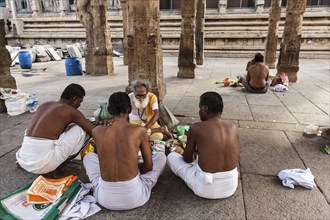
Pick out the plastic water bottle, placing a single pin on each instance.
(32, 103)
(35, 101)
(29, 104)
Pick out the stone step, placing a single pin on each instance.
(229, 53)
(208, 47)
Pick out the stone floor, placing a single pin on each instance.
(271, 138)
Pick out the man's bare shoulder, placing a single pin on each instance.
(136, 128)
(210, 123)
(100, 129)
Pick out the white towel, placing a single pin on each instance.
(82, 206)
(300, 177)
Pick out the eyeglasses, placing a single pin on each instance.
(140, 95)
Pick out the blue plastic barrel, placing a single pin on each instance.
(25, 60)
(73, 66)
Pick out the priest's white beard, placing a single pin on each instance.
(140, 104)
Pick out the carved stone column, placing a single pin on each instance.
(93, 15)
(115, 5)
(186, 60)
(260, 5)
(290, 47)
(35, 6)
(272, 36)
(200, 20)
(144, 45)
(123, 4)
(222, 6)
(63, 7)
(7, 3)
(13, 9)
(6, 79)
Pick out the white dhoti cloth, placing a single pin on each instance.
(41, 155)
(123, 195)
(206, 185)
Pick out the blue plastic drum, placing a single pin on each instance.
(25, 60)
(73, 66)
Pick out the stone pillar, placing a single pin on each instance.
(93, 15)
(144, 45)
(6, 79)
(13, 8)
(115, 4)
(288, 61)
(200, 20)
(260, 6)
(123, 4)
(5, 14)
(35, 6)
(222, 6)
(186, 60)
(7, 3)
(63, 7)
(272, 36)
(17, 23)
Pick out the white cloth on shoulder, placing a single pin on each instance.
(300, 177)
(123, 195)
(41, 155)
(206, 185)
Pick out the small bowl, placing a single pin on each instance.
(226, 83)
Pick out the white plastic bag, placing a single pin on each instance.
(16, 105)
(280, 88)
(15, 100)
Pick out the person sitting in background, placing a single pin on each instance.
(119, 181)
(256, 79)
(145, 110)
(55, 134)
(213, 174)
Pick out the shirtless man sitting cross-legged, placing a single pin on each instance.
(119, 182)
(213, 174)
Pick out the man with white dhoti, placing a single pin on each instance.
(119, 181)
(213, 173)
(55, 134)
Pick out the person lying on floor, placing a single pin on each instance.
(213, 174)
(55, 134)
(119, 181)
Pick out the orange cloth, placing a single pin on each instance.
(152, 100)
(44, 190)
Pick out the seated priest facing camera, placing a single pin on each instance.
(145, 111)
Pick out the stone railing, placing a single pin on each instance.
(38, 7)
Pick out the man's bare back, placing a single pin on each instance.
(217, 143)
(118, 147)
(52, 118)
(258, 75)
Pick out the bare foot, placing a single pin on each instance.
(165, 131)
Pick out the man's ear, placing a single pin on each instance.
(129, 109)
(109, 110)
(72, 100)
(206, 109)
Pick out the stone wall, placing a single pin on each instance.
(231, 34)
